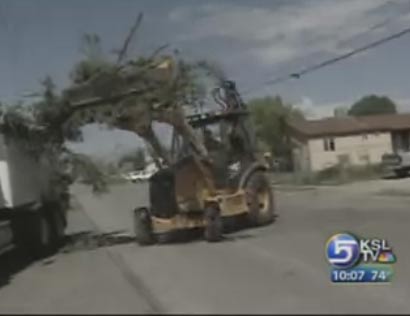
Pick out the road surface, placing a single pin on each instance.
(275, 269)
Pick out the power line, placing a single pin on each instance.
(297, 75)
(378, 25)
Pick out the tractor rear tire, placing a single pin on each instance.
(259, 197)
(39, 236)
(57, 219)
(401, 173)
(143, 227)
(213, 223)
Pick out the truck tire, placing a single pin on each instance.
(58, 223)
(213, 223)
(143, 227)
(42, 235)
(259, 198)
(32, 233)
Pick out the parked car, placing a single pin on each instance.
(397, 163)
(131, 176)
(141, 175)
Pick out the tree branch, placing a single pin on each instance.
(123, 52)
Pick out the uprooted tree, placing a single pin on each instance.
(126, 93)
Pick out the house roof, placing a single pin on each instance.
(336, 126)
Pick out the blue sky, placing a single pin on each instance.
(252, 41)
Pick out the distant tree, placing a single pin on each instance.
(136, 158)
(269, 116)
(373, 104)
(89, 172)
(139, 159)
(111, 168)
(341, 111)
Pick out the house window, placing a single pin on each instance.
(329, 144)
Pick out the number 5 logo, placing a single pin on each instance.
(342, 250)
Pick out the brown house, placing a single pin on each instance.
(319, 144)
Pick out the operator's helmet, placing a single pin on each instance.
(232, 97)
(229, 85)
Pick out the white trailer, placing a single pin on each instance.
(32, 210)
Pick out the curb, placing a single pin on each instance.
(293, 187)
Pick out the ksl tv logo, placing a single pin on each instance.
(346, 250)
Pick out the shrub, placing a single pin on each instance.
(338, 174)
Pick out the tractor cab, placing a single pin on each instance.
(227, 141)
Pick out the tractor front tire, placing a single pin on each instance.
(58, 228)
(143, 227)
(213, 223)
(38, 237)
(259, 198)
(56, 216)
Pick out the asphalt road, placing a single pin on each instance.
(280, 268)
(82, 278)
